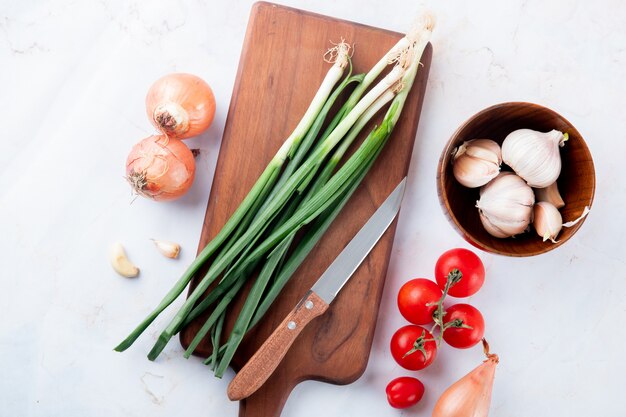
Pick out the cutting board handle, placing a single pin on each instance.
(268, 401)
(263, 363)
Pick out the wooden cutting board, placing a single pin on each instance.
(280, 69)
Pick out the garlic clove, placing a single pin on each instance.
(516, 223)
(508, 187)
(120, 262)
(491, 228)
(485, 149)
(476, 162)
(473, 173)
(534, 155)
(547, 221)
(169, 249)
(505, 205)
(550, 194)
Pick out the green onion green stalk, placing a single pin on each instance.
(303, 186)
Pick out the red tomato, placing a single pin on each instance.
(413, 347)
(470, 266)
(414, 298)
(404, 392)
(463, 315)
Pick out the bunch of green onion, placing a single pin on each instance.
(301, 186)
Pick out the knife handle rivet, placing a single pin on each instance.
(291, 325)
(308, 304)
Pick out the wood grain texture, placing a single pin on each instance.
(280, 70)
(576, 182)
(259, 368)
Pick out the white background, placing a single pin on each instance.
(74, 75)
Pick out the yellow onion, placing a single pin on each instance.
(180, 105)
(470, 396)
(160, 168)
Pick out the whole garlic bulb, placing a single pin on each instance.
(534, 156)
(476, 162)
(547, 220)
(506, 205)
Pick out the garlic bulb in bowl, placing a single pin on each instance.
(476, 162)
(576, 182)
(534, 155)
(506, 205)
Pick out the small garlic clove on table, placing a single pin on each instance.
(547, 221)
(476, 162)
(534, 155)
(120, 262)
(168, 249)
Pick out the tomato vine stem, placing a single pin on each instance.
(453, 278)
(418, 345)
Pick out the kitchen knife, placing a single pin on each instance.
(316, 301)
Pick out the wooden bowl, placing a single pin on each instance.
(576, 183)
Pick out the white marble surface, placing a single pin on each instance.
(74, 75)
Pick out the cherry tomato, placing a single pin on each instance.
(457, 335)
(471, 269)
(404, 392)
(413, 347)
(417, 299)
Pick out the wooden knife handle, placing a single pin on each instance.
(266, 359)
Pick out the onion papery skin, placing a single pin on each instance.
(470, 396)
(160, 168)
(180, 105)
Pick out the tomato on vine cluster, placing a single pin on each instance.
(458, 273)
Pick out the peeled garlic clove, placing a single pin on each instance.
(505, 205)
(120, 262)
(169, 249)
(534, 156)
(547, 220)
(476, 162)
(550, 194)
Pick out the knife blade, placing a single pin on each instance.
(316, 301)
(342, 268)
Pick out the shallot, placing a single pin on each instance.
(470, 396)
